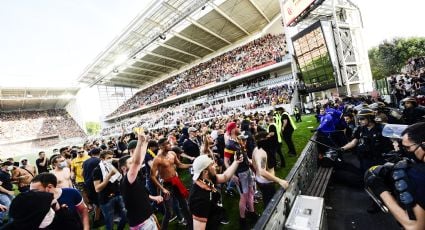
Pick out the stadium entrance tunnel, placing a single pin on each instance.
(344, 207)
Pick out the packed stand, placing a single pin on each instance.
(267, 49)
(259, 92)
(37, 124)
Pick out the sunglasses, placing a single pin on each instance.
(406, 148)
(80, 151)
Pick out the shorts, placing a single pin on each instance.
(149, 224)
(246, 181)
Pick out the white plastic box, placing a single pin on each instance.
(306, 213)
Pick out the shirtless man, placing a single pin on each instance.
(265, 176)
(62, 172)
(172, 188)
(26, 165)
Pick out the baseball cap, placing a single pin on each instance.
(199, 164)
(192, 129)
(132, 144)
(230, 126)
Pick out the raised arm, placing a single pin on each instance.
(230, 171)
(138, 157)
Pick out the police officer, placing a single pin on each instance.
(412, 113)
(407, 204)
(368, 141)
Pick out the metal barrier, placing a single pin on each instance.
(300, 177)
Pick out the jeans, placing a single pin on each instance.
(5, 200)
(175, 194)
(108, 211)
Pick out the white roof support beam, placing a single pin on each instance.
(150, 70)
(176, 49)
(222, 13)
(123, 83)
(259, 10)
(136, 74)
(153, 63)
(191, 41)
(195, 23)
(138, 80)
(164, 57)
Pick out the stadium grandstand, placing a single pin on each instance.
(220, 114)
(34, 119)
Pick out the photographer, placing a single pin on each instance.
(407, 201)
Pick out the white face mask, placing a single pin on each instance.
(9, 168)
(62, 164)
(48, 219)
(109, 161)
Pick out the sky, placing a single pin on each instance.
(51, 42)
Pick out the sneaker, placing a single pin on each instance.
(182, 221)
(172, 219)
(224, 220)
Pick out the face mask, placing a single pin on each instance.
(62, 165)
(48, 219)
(109, 161)
(9, 168)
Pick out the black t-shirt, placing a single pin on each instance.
(191, 148)
(88, 166)
(288, 126)
(40, 168)
(111, 189)
(203, 204)
(136, 200)
(6, 181)
(233, 147)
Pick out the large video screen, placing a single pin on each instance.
(313, 59)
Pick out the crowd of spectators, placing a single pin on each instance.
(38, 124)
(267, 49)
(242, 97)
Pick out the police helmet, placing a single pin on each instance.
(409, 99)
(377, 106)
(367, 113)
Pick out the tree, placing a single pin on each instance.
(390, 56)
(93, 128)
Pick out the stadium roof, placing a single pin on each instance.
(15, 99)
(173, 34)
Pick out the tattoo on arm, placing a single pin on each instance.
(263, 163)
